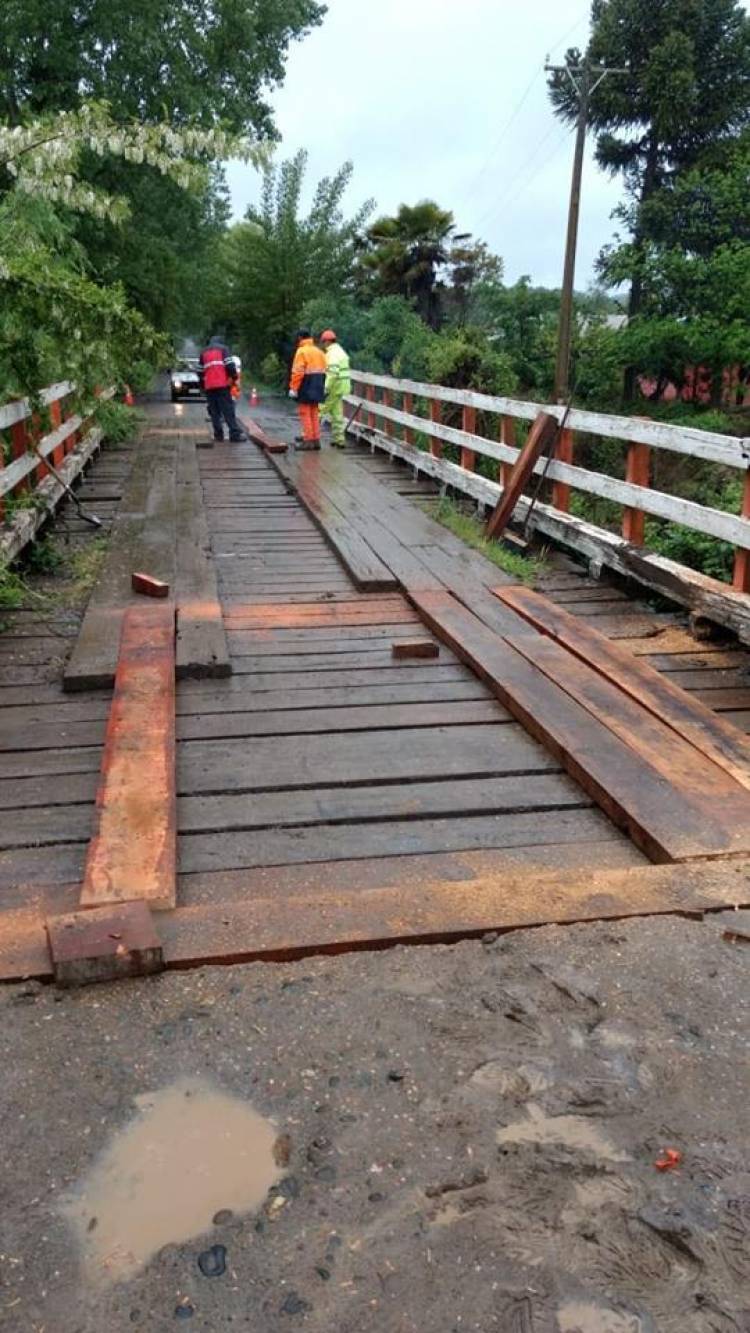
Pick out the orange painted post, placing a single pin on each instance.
(741, 578)
(436, 412)
(386, 401)
(564, 454)
(469, 424)
(55, 420)
(507, 436)
(408, 407)
(638, 472)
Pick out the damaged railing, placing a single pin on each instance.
(398, 415)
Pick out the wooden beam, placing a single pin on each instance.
(133, 852)
(704, 729)
(541, 438)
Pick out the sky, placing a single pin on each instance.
(446, 100)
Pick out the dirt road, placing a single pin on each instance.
(463, 1139)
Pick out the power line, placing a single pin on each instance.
(472, 184)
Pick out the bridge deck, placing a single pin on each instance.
(329, 793)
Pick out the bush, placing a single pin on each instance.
(118, 422)
(272, 371)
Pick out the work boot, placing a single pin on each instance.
(237, 439)
(218, 439)
(303, 446)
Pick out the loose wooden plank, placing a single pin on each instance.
(540, 439)
(317, 919)
(686, 716)
(668, 824)
(142, 537)
(202, 648)
(239, 615)
(133, 852)
(367, 758)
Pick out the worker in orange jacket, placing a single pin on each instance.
(308, 386)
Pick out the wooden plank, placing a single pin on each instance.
(25, 523)
(202, 648)
(318, 920)
(417, 800)
(365, 758)
(328, 721)
(364, 674)
(684, 714)
(133, 853)
(201, 853)
(239, 615)
(541, 438)
(47, 790)
(667, 823)
(142, 537)
(323, 697)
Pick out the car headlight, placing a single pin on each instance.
(178, 384)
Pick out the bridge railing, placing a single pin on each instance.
(29, 491)
(394, 413)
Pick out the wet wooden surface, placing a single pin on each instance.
(324, 760)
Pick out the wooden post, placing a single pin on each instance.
(564, 453)
(55, 420)
(386, 401)
(741, 579)
(507, 436)
(408, 407)
(370, 396)
(436, 412)
(469, 424)
(638, 472)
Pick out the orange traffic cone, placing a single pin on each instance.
(127, 397)
(254, 397)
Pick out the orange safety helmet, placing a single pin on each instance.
(328, 336)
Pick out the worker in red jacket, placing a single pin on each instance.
(219, 373)
(308, 386)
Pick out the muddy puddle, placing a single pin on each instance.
(190, 1152)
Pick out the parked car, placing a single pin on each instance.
(185, 380)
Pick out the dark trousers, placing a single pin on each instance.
(221, 409)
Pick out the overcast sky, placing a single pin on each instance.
(446, 99)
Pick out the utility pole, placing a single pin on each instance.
(585, 79)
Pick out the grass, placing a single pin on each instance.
(85, 566)
(524, 568)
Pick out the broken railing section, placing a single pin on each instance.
(399, 415)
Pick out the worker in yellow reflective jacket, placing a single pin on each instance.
(338, 384)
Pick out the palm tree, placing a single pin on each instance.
(405, 254)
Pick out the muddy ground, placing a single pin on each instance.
(472, 1132)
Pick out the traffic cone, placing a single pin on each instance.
(254, 397)
(127, 397)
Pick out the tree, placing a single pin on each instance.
(686, 91)
(276, 261)
(208, 64)
(56, 321)
(404, 256)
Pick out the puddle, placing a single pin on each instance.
(585, 1317)
(190, 1152)
(573, 1131)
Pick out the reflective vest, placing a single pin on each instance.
(309, 373)
(215, 361)
(338, 377)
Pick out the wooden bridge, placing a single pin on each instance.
(565, 753)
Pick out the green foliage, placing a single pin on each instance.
(404, 254)
(12, 590)
(694, 549)
(117, 421)
(471, 531)
(44, 557)
(276, 261)
(273, 371)
(210, 64)
(463, 358)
